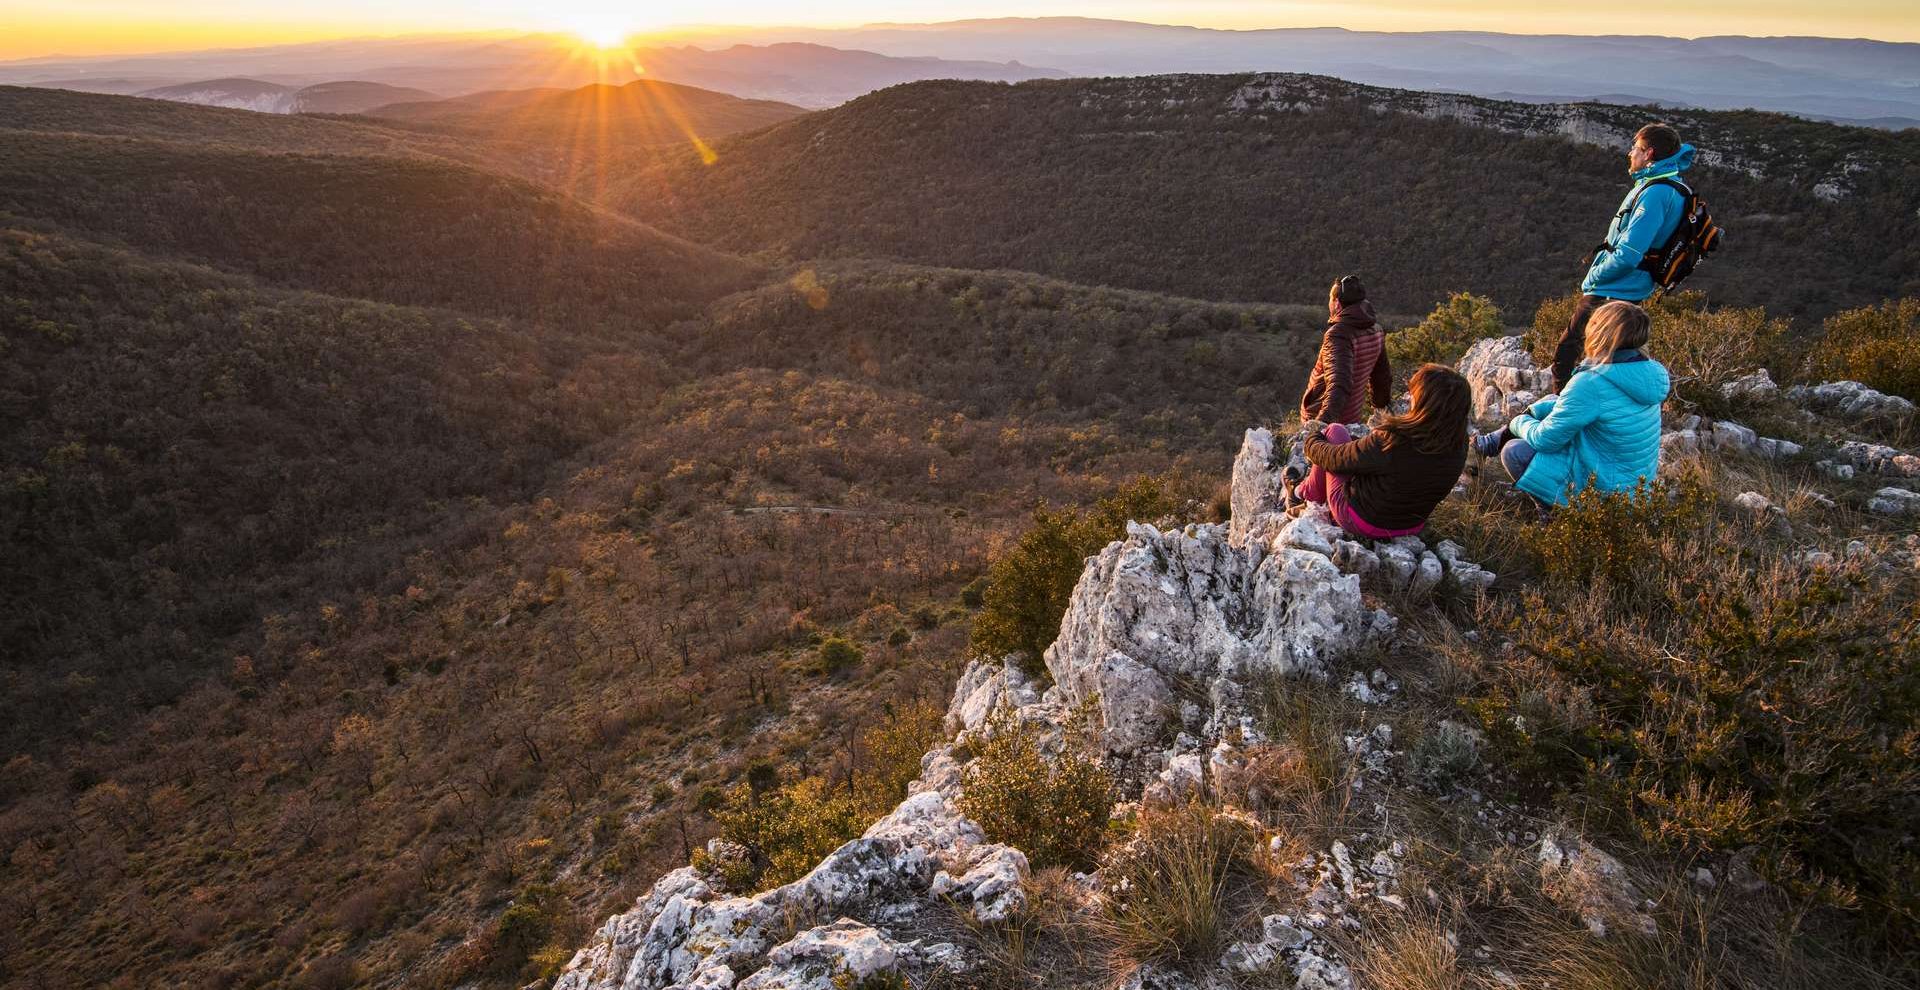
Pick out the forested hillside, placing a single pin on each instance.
(1206, 186)
(402, 560)
(346, 637)
(470, 240)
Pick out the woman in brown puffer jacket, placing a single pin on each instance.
(1353, 352)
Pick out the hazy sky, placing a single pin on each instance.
(80, 27)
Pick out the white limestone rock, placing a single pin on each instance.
(1894, 502)
(1583, 878)
(1732, 436)
(1850, 399)
(981, 689)
(1426, 576)
(1163, 608)
(1256, 490)
(1314, 530)
(1753, 502)
(1755, 386)
(829, 957)
(1279, 936)
(992, 888)
(1836, 471)
(1502, 376)
(1355, 558)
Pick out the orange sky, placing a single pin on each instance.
(30, 28)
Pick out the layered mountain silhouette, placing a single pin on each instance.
(349, 96)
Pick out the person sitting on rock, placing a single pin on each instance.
(1353, 352)
(1603, 430)
(1386, 483)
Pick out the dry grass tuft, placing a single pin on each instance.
(1176, 891)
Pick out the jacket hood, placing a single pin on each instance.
(1354, 316)
(1679, 161)
(1643, 380)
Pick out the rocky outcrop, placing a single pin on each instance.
(1167, 640)
(1503, 377)
(1851, 400)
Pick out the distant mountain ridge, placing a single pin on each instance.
(806, 74)
(345, 96)
(1854, 79)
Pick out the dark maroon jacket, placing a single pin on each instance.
(1353, 351)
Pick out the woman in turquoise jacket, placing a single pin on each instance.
(1604, 429)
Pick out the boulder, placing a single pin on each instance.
(830, 957)
(1158, 609)
(1503, 377)
(1755, 386)
(1584, 879)
(1851, 400)
(1894, 502)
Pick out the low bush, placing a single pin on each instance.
(1616, 536)
(1054, 809)
(1875, 345)
(837, 654)
(1446, 333)
(785, 832)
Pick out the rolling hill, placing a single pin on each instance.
(346, 96)
(474, 241)
(1264, 187)
(640, 113)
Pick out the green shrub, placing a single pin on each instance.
(1054, 810)
(1616, 535)
(1705, 348)
(525, 927)
(787, 832)
(836, 654)
(1875, 345)
(894, 748)
(1029, 586)
(1446, 333)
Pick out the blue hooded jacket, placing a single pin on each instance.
(1605, 428)
(1647, 217)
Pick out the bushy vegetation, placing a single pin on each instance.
(1054, 809)
(1703, 347)
(787, 829)
(1703, 694)
(1446, 333)
(1030, 585)
(1875, 345)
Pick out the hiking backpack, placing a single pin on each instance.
(1693, 238)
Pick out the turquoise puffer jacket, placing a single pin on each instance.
(1646, 218)
(1605, 428)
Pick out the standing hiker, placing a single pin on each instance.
(1648, 217)
(1353, 355)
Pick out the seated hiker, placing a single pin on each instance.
(1387, 482)
(1352, 356)
(1603, 430)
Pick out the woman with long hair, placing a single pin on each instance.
(1387, 482)
(1604, 429)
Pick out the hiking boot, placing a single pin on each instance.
(1489, 444)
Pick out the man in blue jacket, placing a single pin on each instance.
(1647, 217)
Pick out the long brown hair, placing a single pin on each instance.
(1616, 326)
(1438, 401)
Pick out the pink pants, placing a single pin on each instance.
(1330, 489)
